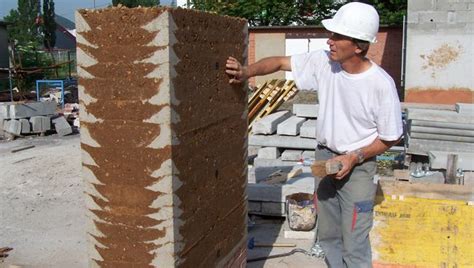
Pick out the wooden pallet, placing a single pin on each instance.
(268, 97)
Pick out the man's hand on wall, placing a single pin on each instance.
(238, 73)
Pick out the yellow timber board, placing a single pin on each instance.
(411, 229)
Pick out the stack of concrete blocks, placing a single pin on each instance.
(284, 138)
(437, 133)
(24, 118)
(163, 137)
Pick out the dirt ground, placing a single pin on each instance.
(42, 212)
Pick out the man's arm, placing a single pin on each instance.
(350, 160)
(264, 66)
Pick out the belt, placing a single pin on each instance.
(322, 147)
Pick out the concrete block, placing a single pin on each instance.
(274, 208)
(308, 129)
(277, 193)
(45, 123)
(306, 110)
(450, 6)
(14, 127)
(308, 154)
(465, 108)
(5, 110)
(421, 5)
(25, 126)
(290, 126)
(429, 17)
(283, 141)
(291, 155)
(62, 126)
(36, 124)
(255, 206)
(30, 109)
(268, 124)
(261, 162)
(268, 153)
(6, 125)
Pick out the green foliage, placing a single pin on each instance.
(25, 22)
(391, 12)
(272, 12)
(49, 24)
(295, 12)
(136, 3)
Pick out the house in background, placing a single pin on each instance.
(65, 34)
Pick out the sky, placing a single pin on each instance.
(65, 8)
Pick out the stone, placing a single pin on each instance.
(163, 137)
(25, 126)
(268, 124)
(5, 110)
(61, 126)
(308, 129)
(290, 126)
(307, 154)
(306, 110)
(268, 153)
(291, 155)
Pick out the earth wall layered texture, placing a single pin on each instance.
(163, 137)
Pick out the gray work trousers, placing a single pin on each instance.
(345, 214)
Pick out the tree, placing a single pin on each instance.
(25, 22)
(136, 3)
(295, 12)
(49, 24)
(391, 12)
(272, 12)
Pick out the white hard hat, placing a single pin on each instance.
(356, 20)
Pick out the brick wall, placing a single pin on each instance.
(163, 136)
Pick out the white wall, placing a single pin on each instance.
(298, 46)
(440, 44)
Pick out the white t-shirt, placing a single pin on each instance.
(354, 109)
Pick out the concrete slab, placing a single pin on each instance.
(291, 155)
(309, 235)
(308, 129)
(439, 159)
(268, 124)
(306, 110)
(29, 109)
(25, 126)
(268, 153)
(6, 125)
(62, 126)
(465, 108)
(440, 116)
(261, 162)
(422, 147)
(283, 141)
(290, 126)
(273, 208)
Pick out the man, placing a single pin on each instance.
(359, 117)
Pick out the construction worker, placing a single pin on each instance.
(359, 118)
